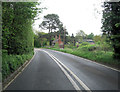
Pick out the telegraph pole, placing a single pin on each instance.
(64, 36)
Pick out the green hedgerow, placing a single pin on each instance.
(12, 62)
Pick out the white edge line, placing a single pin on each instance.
(92, 61)
(19, 73)
(68, 76)
(100, 64)
(80, 82)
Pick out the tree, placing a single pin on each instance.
(68, 39)
(73, 39)
(111, 25)
(51, 22)
(62, 32)
(80, 35)
(90, 36)
(97, 38)
(17, 33)
(40, 39)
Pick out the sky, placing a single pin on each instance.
(75, 15)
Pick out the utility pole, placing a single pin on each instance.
(64, 35)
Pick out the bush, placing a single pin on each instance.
(90, 47)
(106, 47)
(93, 47)
(70, 46)
(12, 62)
(92, 52)
(84, 48)
(84, 43)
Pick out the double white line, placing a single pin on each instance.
(65, 69)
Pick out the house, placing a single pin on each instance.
(58, 41)
(55, 41)
(87, 40)
(90, 41)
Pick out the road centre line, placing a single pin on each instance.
(93, 62)
(68, 76)
(79, 81)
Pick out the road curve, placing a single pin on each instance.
(43, 73)
(95, 76)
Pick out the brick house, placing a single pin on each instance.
(58, 41)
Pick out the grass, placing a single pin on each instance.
(96, 55)
(10, 63)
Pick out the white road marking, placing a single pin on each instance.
(102, 65)
(19, 73)
(92, 62)
(68, 76)
(79, 81)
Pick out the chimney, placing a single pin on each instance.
(56, 37)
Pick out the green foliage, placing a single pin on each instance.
(111, 26)
(56, 45)
(84, 43)
(12, 62)
(71, 46)
(102, 52)
(62, 32)
(97, 38)
(73, 41)
(106, 47)
(90, 36)
(95, 55)
(40, 39)
(88, 47)
(80, 35)
(117, 24)
(51, 22)
(17, 34)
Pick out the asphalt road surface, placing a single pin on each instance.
(53, 70)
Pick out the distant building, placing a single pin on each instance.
(90, 41)
(58, 41)
(55, 41)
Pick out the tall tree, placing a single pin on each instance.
(97, 38)
(40, 39)
(73, 39)
(111, 25)
(17, 34)
(50, 22)
(63, 33)
(90, 36)
(80, 35)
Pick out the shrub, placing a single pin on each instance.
(94, 54)
(93, 47)
(106, 47)
(84, 48)
(84, 43)
(12, 62)
(70, 46)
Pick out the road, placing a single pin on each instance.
(53, 70)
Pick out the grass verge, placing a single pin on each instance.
(97, 56)
(10, 63)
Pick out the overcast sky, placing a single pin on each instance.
(75, 14)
